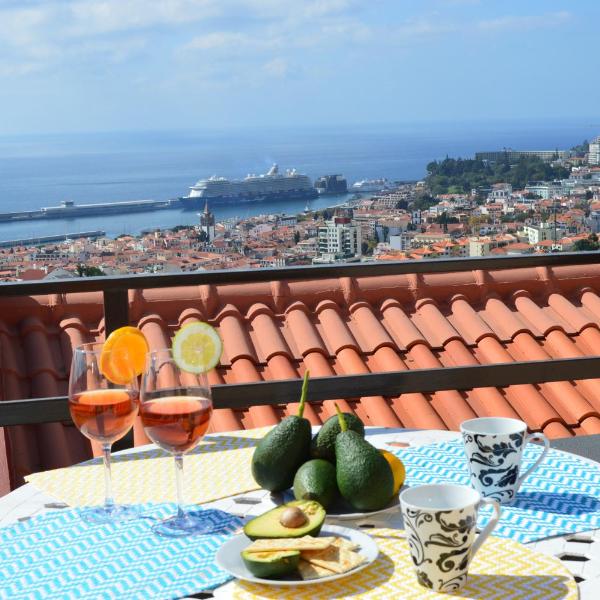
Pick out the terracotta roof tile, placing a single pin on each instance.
(333, 328)
(301, 331)
(276, 330)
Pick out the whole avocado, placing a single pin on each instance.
(323, 444)
(280, 453)
(315, 480)
(364, 477)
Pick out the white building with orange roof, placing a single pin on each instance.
(519, 248)
(480, 246)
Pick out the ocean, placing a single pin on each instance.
(37, 171)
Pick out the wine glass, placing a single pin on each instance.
(104, 412)
(176, 408)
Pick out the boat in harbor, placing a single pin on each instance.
(371, 185)
(271, 186)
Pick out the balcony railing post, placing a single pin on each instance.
(116, 309)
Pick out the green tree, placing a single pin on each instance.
(89, 271)
(463, 175)
(444, 219)
(368, 247)
(423, 202)
(296, 237)
(590, 243)
(581, 149)
(475, 223)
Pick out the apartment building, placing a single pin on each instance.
(594, 152)
(339, 239)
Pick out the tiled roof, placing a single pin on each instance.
(276, 330)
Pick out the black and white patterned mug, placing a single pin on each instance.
(494, 448)
(440, 522)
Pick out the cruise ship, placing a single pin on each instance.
(371, 185)
(254, 188)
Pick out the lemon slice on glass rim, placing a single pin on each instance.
(197, 348)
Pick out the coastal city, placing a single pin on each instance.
(505, 202)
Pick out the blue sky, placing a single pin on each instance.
(103, 65)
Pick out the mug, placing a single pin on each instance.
(494, 448)
(440, 522)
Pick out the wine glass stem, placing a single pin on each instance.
(179, 484)
(108, 496)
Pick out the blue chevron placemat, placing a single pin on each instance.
(561, 496)
(59, 555)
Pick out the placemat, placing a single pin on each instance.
(58, 554)
(218, 467)
(501, 569)
(561, 496)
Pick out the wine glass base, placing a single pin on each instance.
(110, 514)
(181, 526)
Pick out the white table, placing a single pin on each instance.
(580, 553)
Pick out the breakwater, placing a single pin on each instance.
(48, 239)
(70, 210)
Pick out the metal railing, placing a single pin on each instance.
(116, 312)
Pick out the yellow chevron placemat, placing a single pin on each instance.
(502, 569)
(218, 467)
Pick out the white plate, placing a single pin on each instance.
(340, 510)
(229, 557)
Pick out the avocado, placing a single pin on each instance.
(278, 455)
(364, 476)
(316, 480)
(268, 525)
(323, 445)
(271, 564)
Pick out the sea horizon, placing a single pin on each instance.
(38, 170)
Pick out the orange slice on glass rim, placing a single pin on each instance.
(197, 347)
(123, 355)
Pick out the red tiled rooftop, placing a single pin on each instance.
(276, 330)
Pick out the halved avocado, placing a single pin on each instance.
(268, 525)
(271, 564)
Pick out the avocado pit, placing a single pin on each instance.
(293, 517)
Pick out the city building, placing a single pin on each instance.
(500, 193)
(479, 246)
(593, 221)
(539, 233)
(400, 241)
(515, 155)
(545, 189)
(594, 152)
(339, 239)
(207, 223)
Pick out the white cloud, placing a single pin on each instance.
(19, 69)
(278, 67)
(93, 17)
(227, 40)
(238, 33)
(524, 22)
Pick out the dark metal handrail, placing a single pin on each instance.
(390, 384)
(116, 312)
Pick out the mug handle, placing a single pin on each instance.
(487, 530)
(534, 436)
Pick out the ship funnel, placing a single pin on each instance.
(273, 170)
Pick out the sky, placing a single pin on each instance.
(127, 65)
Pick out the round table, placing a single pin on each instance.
(580, 553)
